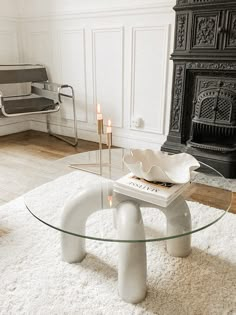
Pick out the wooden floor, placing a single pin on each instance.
(23, 158)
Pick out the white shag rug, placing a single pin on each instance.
(35, 281)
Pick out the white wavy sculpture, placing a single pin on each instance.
(158, 166)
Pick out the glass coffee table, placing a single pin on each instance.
(87, 207)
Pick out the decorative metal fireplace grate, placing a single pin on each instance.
(214, 120)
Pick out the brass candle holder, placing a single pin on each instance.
(100, 126)
(100, 132)
(109, 144)
(109, 140)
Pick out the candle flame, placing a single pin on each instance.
(98, 108)
(110, 200)
(109, 122)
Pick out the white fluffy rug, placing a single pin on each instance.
(34, 280)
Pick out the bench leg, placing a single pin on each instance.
(75, 142)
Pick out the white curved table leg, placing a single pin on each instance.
(73, 248)
(132, 267)
(178, 222)
(75, 214)
(114, 219)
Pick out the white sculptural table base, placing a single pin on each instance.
(132, 267)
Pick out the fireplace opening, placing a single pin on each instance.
(213, 123)
(210, 117)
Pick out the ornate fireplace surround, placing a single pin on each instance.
(203, 109)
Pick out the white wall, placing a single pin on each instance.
(10, 52)
(8, 9)
(35, 8)
(115, 53)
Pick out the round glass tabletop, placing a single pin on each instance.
(86, 205)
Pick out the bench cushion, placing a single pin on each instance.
(33, 104)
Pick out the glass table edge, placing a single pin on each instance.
(130, 241)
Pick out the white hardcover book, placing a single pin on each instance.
(158, 193)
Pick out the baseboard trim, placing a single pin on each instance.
(15, 127)
(135, 140)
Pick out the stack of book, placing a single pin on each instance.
(158, 193)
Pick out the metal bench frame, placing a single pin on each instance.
(44, 89)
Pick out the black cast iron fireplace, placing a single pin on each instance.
(203, 109)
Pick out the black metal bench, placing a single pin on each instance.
(25, 90)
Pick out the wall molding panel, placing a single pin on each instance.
(108, 73)
(73, 70)
(148, 93)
